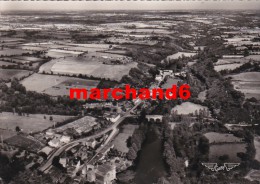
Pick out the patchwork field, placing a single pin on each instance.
(56, 85)
(248, 83)
(188, 107)
(6, 74)
(32, 123)
(215, 137)
(88, 66)
(215, 151)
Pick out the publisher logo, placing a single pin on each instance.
(216, 168)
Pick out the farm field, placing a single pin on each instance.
(215, 137)
(257, 147)
(227, 66)
(89, 67)
(215, 151)
(181, 54)
(4, 63)
(56, 85)
(248, 83)
(7, 133)
(11, 52)
(6, 74)
(188, 107)
(120, 142)
(170, 81)
(33, 123)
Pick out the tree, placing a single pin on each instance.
(51, 118)
(17, 129)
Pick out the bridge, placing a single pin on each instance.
(154, 118)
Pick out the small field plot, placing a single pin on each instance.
(32, 123)
(227, 67)
(120, 142)
(4, 63)
(59, 53)
(188, 107)
(231, 150)
(257, 148)
(13, 52)
(248, 83)
(7, 74)
(29, 59)
(215, 137)
(180, 55)
(56, 85)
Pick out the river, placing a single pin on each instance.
(150, 166)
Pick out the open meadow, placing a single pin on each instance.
(215, 137)
(248, 83)
(31, 123)
(56, 85)
(188, 107)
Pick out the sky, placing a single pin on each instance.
(130, 5)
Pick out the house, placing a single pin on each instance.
(46, 150)
(106, 173)
(63, 162)
(65, 139)
(91, 143)
(113, 118)
(54, 143)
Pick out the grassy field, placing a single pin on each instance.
(257, 148)
(56, 85)
(215, 137)
(10, 52)
(231, 150)
(120, 140)
(227, 66)
(170, 81)
(32, 123)
(88, 66)
(181, 54)
(2, 63)
(188, 107)
(6, 74)
(7, 133)
(248, 83)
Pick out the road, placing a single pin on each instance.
(74, 143)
